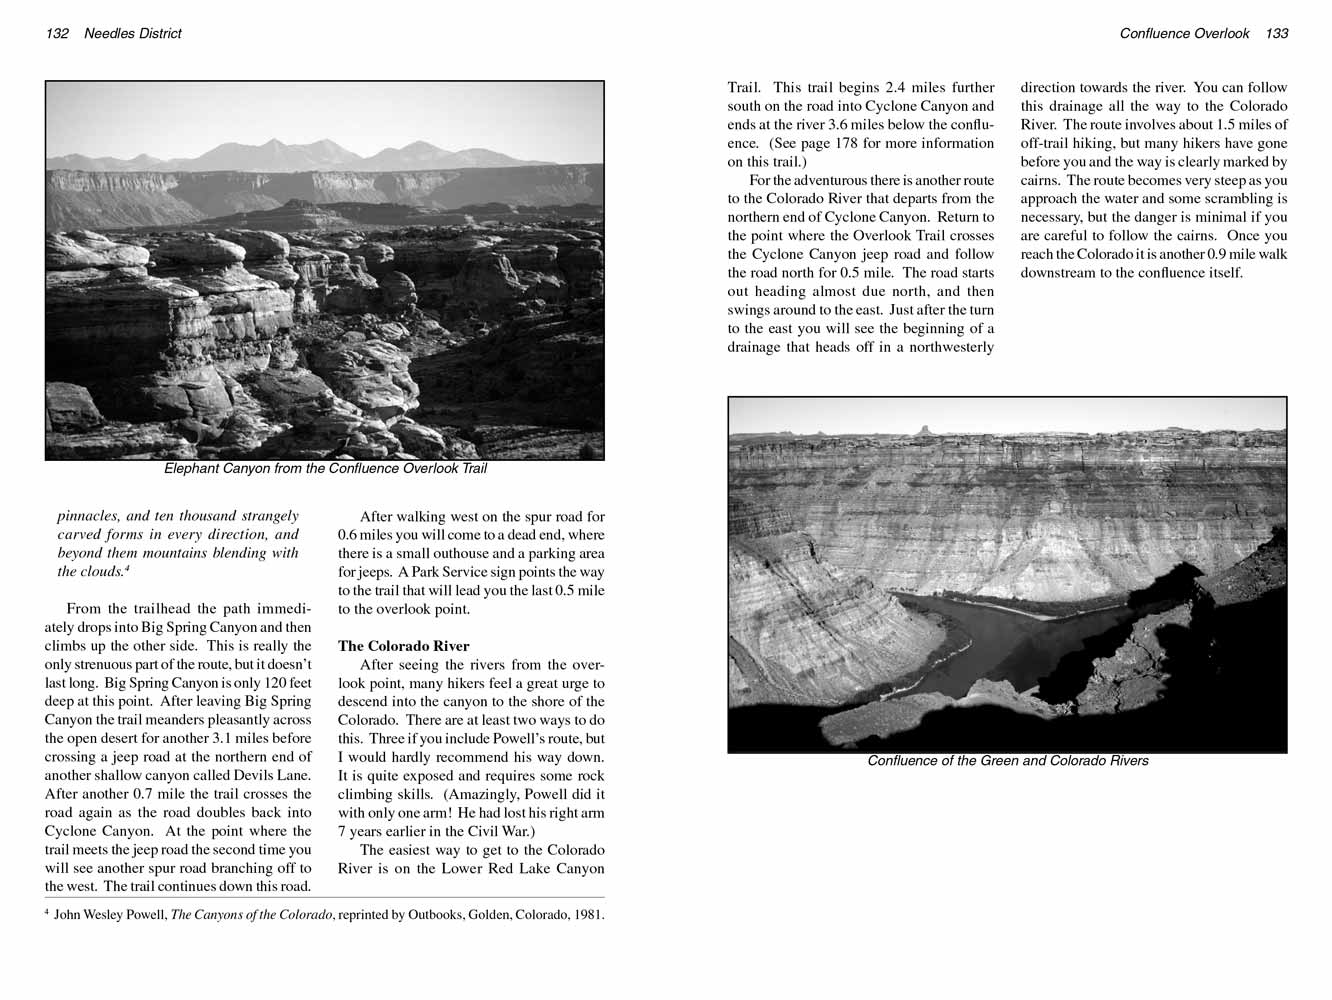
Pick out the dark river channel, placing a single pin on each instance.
(1010, 646)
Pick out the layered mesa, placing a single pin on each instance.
(79, 199)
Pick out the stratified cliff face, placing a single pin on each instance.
(801, 633)
(77, 199)
(1037, 517)
(544, 185)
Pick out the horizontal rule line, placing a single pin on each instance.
(288, 896)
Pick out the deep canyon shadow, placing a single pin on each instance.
(1226, 692)
(1070, 676)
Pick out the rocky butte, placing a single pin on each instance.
(830, 535)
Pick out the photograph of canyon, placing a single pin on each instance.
(988, 574)
(359, 270)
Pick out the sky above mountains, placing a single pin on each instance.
(554, 122)
(275, 156)
(1002, 414)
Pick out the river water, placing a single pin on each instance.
(1008, 645)
(1005, 646)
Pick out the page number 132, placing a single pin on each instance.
(57, 32)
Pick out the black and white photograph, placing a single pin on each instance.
(353, 270)
(990, 574)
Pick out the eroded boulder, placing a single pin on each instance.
(281, 392)
(372, 375)
(399, 292)
(265, 255)
(198, 250)
(351, 289)
(82, 248)
(429, 443)
(487, 278)
(120, 441)
(583, 266)
(329, 427)
(70, 408)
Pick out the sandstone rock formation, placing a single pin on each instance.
(1039, 517)
(352, 289)
(1260, 573)
(70, 408)
(371, 375)
(1135, 676)
(882, 719)
(121, 441)
(487, 279)
(801, 633)
(429, 443)
(399, 292)
(583, 267)
(139, 344)
(80, 249)
(266, 255)
(248, 343)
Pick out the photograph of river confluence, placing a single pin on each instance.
(989, 574)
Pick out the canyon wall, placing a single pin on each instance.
(800, 632)
(77, 199)
(1048, 517)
